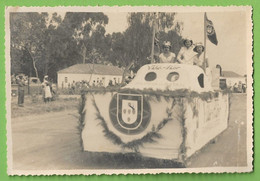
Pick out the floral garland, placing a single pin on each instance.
(183, 148)
(205, 96)
(134, 145)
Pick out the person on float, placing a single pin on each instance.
(46, 89)
(167, 56)
(186, 52)
(198, 59)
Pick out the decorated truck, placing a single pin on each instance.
(168, 111)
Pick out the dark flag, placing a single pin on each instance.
(210, 31)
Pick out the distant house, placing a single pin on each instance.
(92, 73)
(230, 78)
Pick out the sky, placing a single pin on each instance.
(230, 28)
(117, 22)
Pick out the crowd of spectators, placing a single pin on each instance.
(16, 78)
(77, 86)
(238, 88)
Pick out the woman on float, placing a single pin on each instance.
(186, 52)
(167, 56)
(199, 60)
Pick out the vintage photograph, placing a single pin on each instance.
(129, 90)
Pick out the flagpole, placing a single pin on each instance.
(205, 38)
(152, 52)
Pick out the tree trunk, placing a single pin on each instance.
(35, 69)
(33, 61)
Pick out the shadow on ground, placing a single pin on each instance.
(125, 161)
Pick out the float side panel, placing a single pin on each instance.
(92, 134)
(95, 140)
(168, 146)
(205, 120)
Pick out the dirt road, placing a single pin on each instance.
(52, 141)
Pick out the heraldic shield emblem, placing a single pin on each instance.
(129, 113)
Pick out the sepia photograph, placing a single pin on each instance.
(129, 90)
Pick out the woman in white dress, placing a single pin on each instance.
(186, 52)
(199, 60)
(167, 56)
(46, 89)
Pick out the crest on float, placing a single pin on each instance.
(129, 113)
(129, 110)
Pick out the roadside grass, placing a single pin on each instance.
(35, 105)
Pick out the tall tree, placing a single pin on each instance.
(76, 37)
(138, 36)
(117, 53)
(27, 41)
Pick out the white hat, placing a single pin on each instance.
(167, 44)
(198, 45)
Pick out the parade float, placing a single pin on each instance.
(168, 111)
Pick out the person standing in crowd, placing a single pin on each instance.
(239, 87)
(93, 83)
(21, 84)
(167, 56)
(13, 79)
(244, 88)
(110, 83)
(46, 89)
(186, 52)
(73, 87)
(115, 83)
(235, 88)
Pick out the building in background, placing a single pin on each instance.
(94, 74)
(232, 78)
(233, 81)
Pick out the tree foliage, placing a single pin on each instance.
(43, 43)
(139, 34)
(27, 41)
